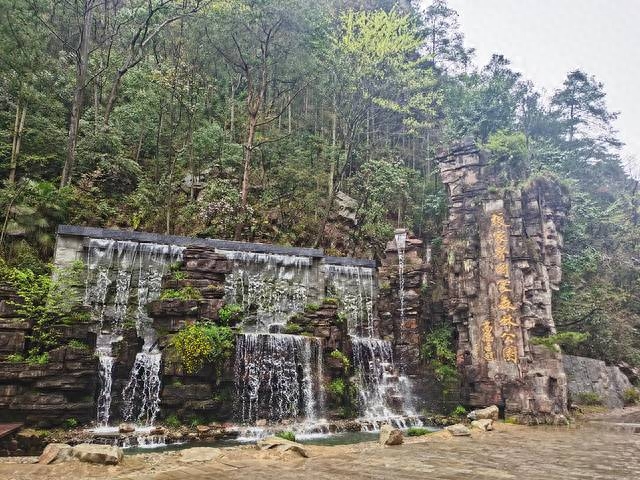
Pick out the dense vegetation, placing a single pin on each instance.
(251, 119)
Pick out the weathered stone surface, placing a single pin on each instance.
(591, 376)
(100, 454)
(199, 454)
(55, 452)
(503, 251)
(458, 430)
(390, 436)
(282, 445)
(485, 424)
(126, 428)
(491, 412)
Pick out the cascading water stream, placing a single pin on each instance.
(401, 241)
(354, 286)
(122, 262)
(277, 377)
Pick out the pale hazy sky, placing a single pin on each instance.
(545, 39)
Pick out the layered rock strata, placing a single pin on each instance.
(503, 252)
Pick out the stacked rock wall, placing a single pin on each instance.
(502, 247)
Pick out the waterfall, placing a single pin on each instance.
(385, 395)
(401, 240)
(354, 286)
(269, 286)
(141, 395)
(125, 263)
(277, 378)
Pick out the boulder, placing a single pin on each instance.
(491, 412)
(485, 424)
(100, 454)
(126, 428)
(199, 454)
(157, 431)
(203, 429)
(55, 452)
(282, 445)
(458, 430)
(261, 422)
(390, 436)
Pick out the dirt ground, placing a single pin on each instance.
(600, 446)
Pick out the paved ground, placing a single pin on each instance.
(588, 451)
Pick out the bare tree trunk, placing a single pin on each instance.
(244, 192)
(82, 67)
(233, 110)
(17, 138)
(289, 115)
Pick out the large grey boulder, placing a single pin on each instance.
(100, 454)
(199, 454)
(491, 412)
(485, 424)
(55, 452)
(282, 445)
(458, 430)
(390, 436)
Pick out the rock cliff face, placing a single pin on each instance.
(503, 252)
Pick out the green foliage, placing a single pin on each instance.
(337, 387)
(292, 329)
(172, 421)
(562, 340)
(459, 411)
(418, 431)
(185, 293)
(35, 358)
(437, 350)
(631, 396)
(287, 435)
(338, 355)
(588, 398)
(70, 423)
(15, 358)
(311, 307)
(230, 313)
(46, 300)
(78, 345)
(202, 343)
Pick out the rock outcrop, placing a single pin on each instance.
(503, 250)
(588, 376)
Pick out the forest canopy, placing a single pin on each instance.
(261, 119)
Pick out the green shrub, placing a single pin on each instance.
(15, 358)
(459, 411)
(47, 300)
(337, 354)
(230, 312)
(417, 431)
(172, 421)
(195, 421)
(337, 387)
(78, 345)
(588, 398)
(562, 340)
(292, 329)
(287, 435)
(37, 358)
(179, 275)
(185, 293)
(311, 307)
(70, 423)
(199, 343)
(631, 396)
(437, 349)
(331, 301)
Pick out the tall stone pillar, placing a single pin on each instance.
(502, 247)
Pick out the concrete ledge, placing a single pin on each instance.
(130, 235)
(350, 262)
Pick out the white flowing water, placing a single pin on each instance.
(269, 287)
(141, 395)
(354, 287)
(401, 241)
(122, 263)
(278, 377)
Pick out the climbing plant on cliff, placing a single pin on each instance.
(202, 343)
